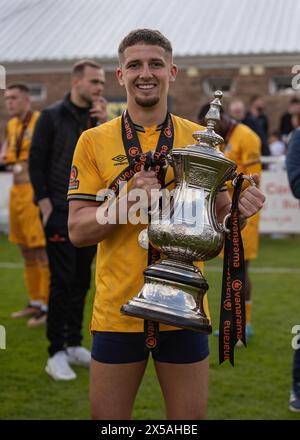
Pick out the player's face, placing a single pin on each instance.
(91, 86)
(296, 120)
(237, 111)
(295, 108)
(259, 105)
(16, 102)
(146, 72)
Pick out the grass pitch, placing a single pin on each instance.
(256, 388)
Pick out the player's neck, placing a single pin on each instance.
(23, 114)
(76, 99)
(147, 116)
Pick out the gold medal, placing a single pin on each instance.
(143, 239)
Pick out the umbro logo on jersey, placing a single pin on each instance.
(120, 159)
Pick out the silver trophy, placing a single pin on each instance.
(185, 231)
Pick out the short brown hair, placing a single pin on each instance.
(295, 100)
(22, 87)
(78, 68)
(145, 36)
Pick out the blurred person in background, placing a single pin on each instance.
(293, 170)
(25, 228)
(237, 110)
(242, 146)
(276, 145)
(54, 141)
(277, 149)
(257, 112)
(286, 126)
(254, 119)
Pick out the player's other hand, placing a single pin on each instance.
(251, 200)
(46, 209)
(99, 109)
(147, 182)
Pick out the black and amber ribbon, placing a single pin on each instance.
(232, 316)
(135, 156)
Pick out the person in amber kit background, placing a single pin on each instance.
(25, 228)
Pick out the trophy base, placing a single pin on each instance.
(142, 310)
(172, 294)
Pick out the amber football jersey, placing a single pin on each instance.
(98, 159)
(14, 133)
(244, 148)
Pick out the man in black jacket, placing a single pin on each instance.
(257, 123)
(293, 171)
(53, 144)
(286, 126)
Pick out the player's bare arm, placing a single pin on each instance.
(84, 226)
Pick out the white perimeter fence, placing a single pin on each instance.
(281, 213)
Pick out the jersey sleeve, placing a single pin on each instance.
(85, 178)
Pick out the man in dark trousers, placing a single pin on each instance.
(53, 144)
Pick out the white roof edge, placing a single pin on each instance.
(109, 64)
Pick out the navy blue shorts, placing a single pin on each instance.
(175, 346)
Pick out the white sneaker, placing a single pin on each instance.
(58, 368)
(79, 356)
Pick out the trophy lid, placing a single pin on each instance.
(209, 137)
(205, 151)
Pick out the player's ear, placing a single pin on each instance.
(74, 80)
(119, 75)
(173, 73)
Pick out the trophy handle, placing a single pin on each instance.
(245, 177)
(226, 218)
